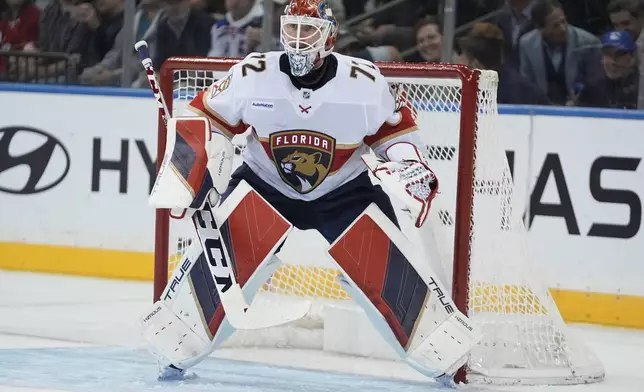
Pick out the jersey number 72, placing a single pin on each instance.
(259, 66)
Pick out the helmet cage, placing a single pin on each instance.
(305, 40)
(305, 34)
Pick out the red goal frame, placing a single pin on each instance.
(465, 181)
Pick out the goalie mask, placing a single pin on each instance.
(308, 33)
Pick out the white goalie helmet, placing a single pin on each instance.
(308, 34)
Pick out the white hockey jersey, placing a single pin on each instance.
(306, 143)
(228, 36)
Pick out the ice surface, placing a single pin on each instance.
(120, 369)
(61, 333)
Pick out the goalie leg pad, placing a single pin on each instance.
(379, 269)
(402, 296)
(170, 338)
(251, 231)
(185, 332)
(174, 327)
(196, 161)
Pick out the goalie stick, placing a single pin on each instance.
(239, 314)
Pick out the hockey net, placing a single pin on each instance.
(475, 229)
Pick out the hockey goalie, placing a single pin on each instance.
(317, 123)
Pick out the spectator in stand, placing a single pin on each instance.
(105, 19)
(18, 26)
(110, 69)
(350, 45)
(182, 31)
(514, 21)
(589, 15)
(354, 8)
(60, 30)
(361, 44)
(628, 15)
(254, 33)
(216, 8)
(483, 48)
(393, 26)
(429, 41)
(618, 88)
(556, 56)
(228, 36)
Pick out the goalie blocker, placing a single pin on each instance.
(196, 166)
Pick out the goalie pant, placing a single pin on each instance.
(330, 214)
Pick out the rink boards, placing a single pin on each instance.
(86, 211)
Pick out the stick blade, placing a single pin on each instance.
(260, 315)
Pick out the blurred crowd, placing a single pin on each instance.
(569, 53)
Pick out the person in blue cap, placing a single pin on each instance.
(618, 87)
(618, 54)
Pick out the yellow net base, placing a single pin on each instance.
(320, 282)
(296, 280)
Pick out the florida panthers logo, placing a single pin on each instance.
(303, 158)
(306, 168)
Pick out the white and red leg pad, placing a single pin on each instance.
(252, 231)
(401, 295)
(189, 322)
(174, 327)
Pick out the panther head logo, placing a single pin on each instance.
(302, 158)
(306, 167)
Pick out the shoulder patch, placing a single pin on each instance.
(220, 86)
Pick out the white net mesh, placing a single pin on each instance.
(525, 339)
